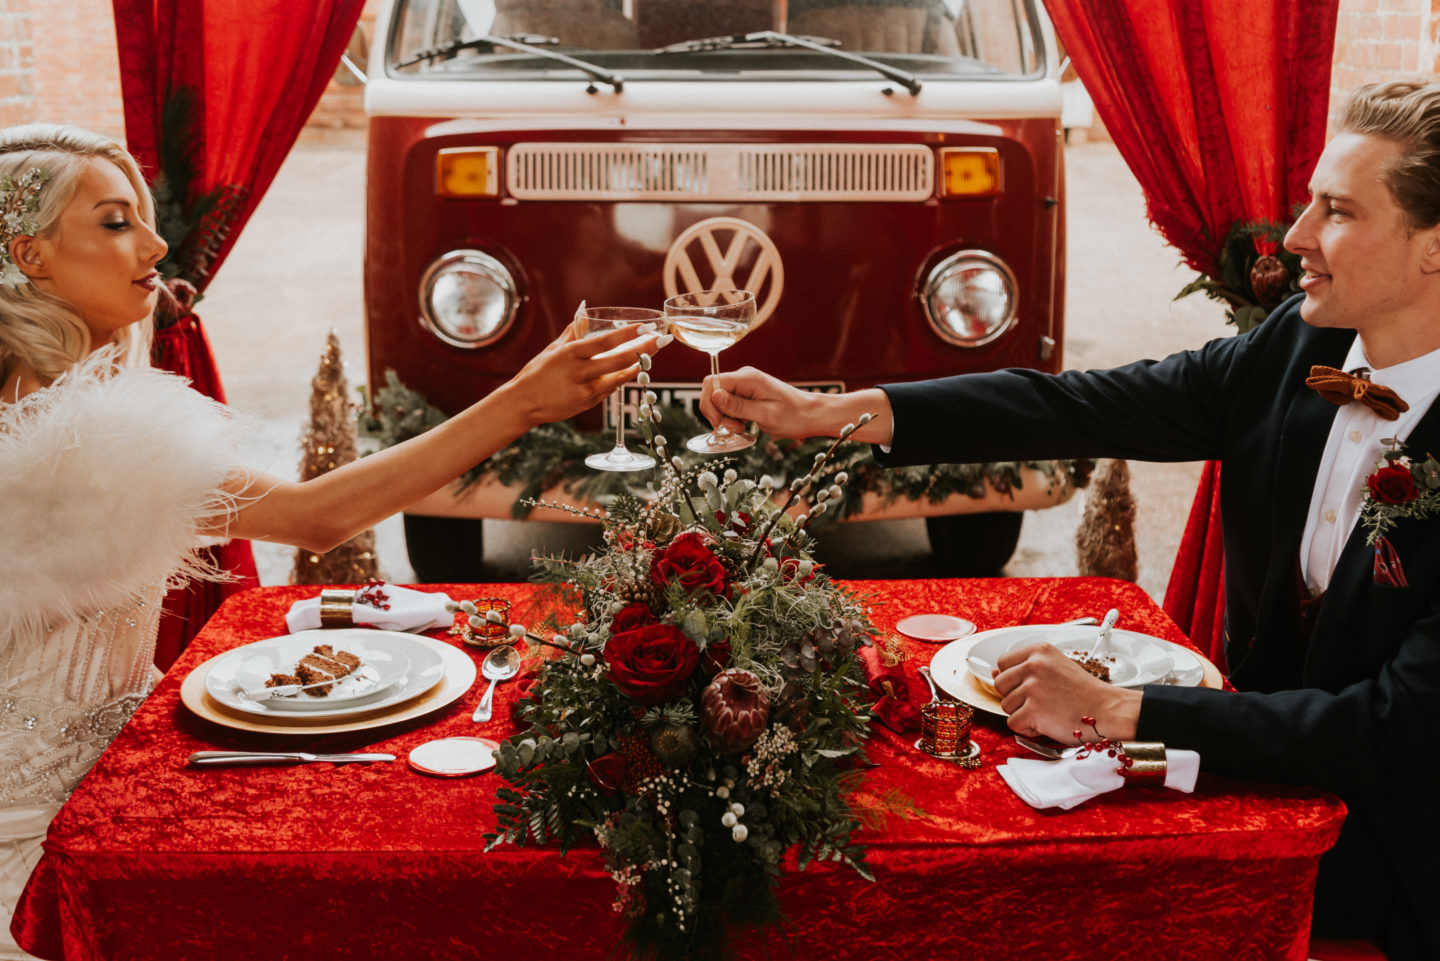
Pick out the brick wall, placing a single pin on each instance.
(77, 71)
(1379, 40)
(17, 94)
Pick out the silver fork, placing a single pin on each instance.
(212, 758)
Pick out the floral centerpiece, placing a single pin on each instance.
(705, 713)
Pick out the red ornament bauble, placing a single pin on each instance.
(734, 710)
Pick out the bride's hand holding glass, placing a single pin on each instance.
(592, 323)
(575, 370)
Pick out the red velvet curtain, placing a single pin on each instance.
(255, 69)
(1219, 107)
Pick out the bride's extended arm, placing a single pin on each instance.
(561, 381)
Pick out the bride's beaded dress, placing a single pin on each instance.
(107, 483)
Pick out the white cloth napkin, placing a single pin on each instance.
(1071, 781)
(409, 611)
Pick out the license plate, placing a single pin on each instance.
(689, 394)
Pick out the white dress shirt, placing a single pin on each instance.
(1351, 453)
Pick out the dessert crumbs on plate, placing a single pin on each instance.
(1098, 666)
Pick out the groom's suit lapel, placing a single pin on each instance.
(1354, 609)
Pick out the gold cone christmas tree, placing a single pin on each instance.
(328, 443)
(1105, 540)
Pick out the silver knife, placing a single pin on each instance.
(213, 758)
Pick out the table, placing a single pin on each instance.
(151, 859)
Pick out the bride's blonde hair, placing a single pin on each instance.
(38, 329)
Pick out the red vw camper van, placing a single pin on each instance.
(885, 176)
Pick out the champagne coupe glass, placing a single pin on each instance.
(598, 320)
(711, 320)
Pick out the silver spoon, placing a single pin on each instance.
(499, 665)
(1102, 641)
(925, 673)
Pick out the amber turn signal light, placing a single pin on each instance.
(969, 172)
(467, 172)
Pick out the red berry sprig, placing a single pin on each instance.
(1101, 743)
(373, 595)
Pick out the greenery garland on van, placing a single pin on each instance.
(555, 454)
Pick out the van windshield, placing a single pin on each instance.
(655, 39)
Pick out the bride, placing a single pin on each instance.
(112, 473)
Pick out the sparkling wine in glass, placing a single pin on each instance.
(711, 320)
(598, 320)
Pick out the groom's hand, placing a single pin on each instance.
(732, 398)
(747, 394)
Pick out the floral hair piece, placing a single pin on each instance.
(19, 198)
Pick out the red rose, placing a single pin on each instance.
(632, 617)
(651, 665)
(737, 521)
(1392, 484)
(790, 570)
(608, 772)
(692, 565)
(716, 657)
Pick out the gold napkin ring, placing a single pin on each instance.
(337, 607)
(1146, 764)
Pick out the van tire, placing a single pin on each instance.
(445, 550)
(973, 545)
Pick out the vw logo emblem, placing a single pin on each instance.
(725, 253)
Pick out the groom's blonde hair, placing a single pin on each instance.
(1407, 112)
(38, 329)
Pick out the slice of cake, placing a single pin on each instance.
(322, 666)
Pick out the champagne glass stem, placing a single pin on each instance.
(619, 418)
(720, 431)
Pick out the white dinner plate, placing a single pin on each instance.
(935, 628)
(1134, 659)
(952, 675)
(401, 667)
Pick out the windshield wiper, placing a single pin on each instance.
(769, 38)
(446, 51)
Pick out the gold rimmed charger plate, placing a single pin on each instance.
(959, 683)
(459, 677)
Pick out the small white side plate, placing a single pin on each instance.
(935, 628)
(454, 756)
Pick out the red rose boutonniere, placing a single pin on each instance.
(1402, 487)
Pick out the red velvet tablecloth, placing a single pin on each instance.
(151, 859)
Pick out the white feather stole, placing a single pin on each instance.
(107, 482)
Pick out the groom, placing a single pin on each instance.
(1336, 658)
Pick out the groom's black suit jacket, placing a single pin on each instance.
(1356, 709)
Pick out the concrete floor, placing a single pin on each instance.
(295, 273)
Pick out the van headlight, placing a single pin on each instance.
(970, 298)
(467, 298)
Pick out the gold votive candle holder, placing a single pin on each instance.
(487, 634)
(945, 728)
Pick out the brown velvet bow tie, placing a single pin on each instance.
(1340, 388)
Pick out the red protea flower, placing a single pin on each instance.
(734, 710)
(1269, 280)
